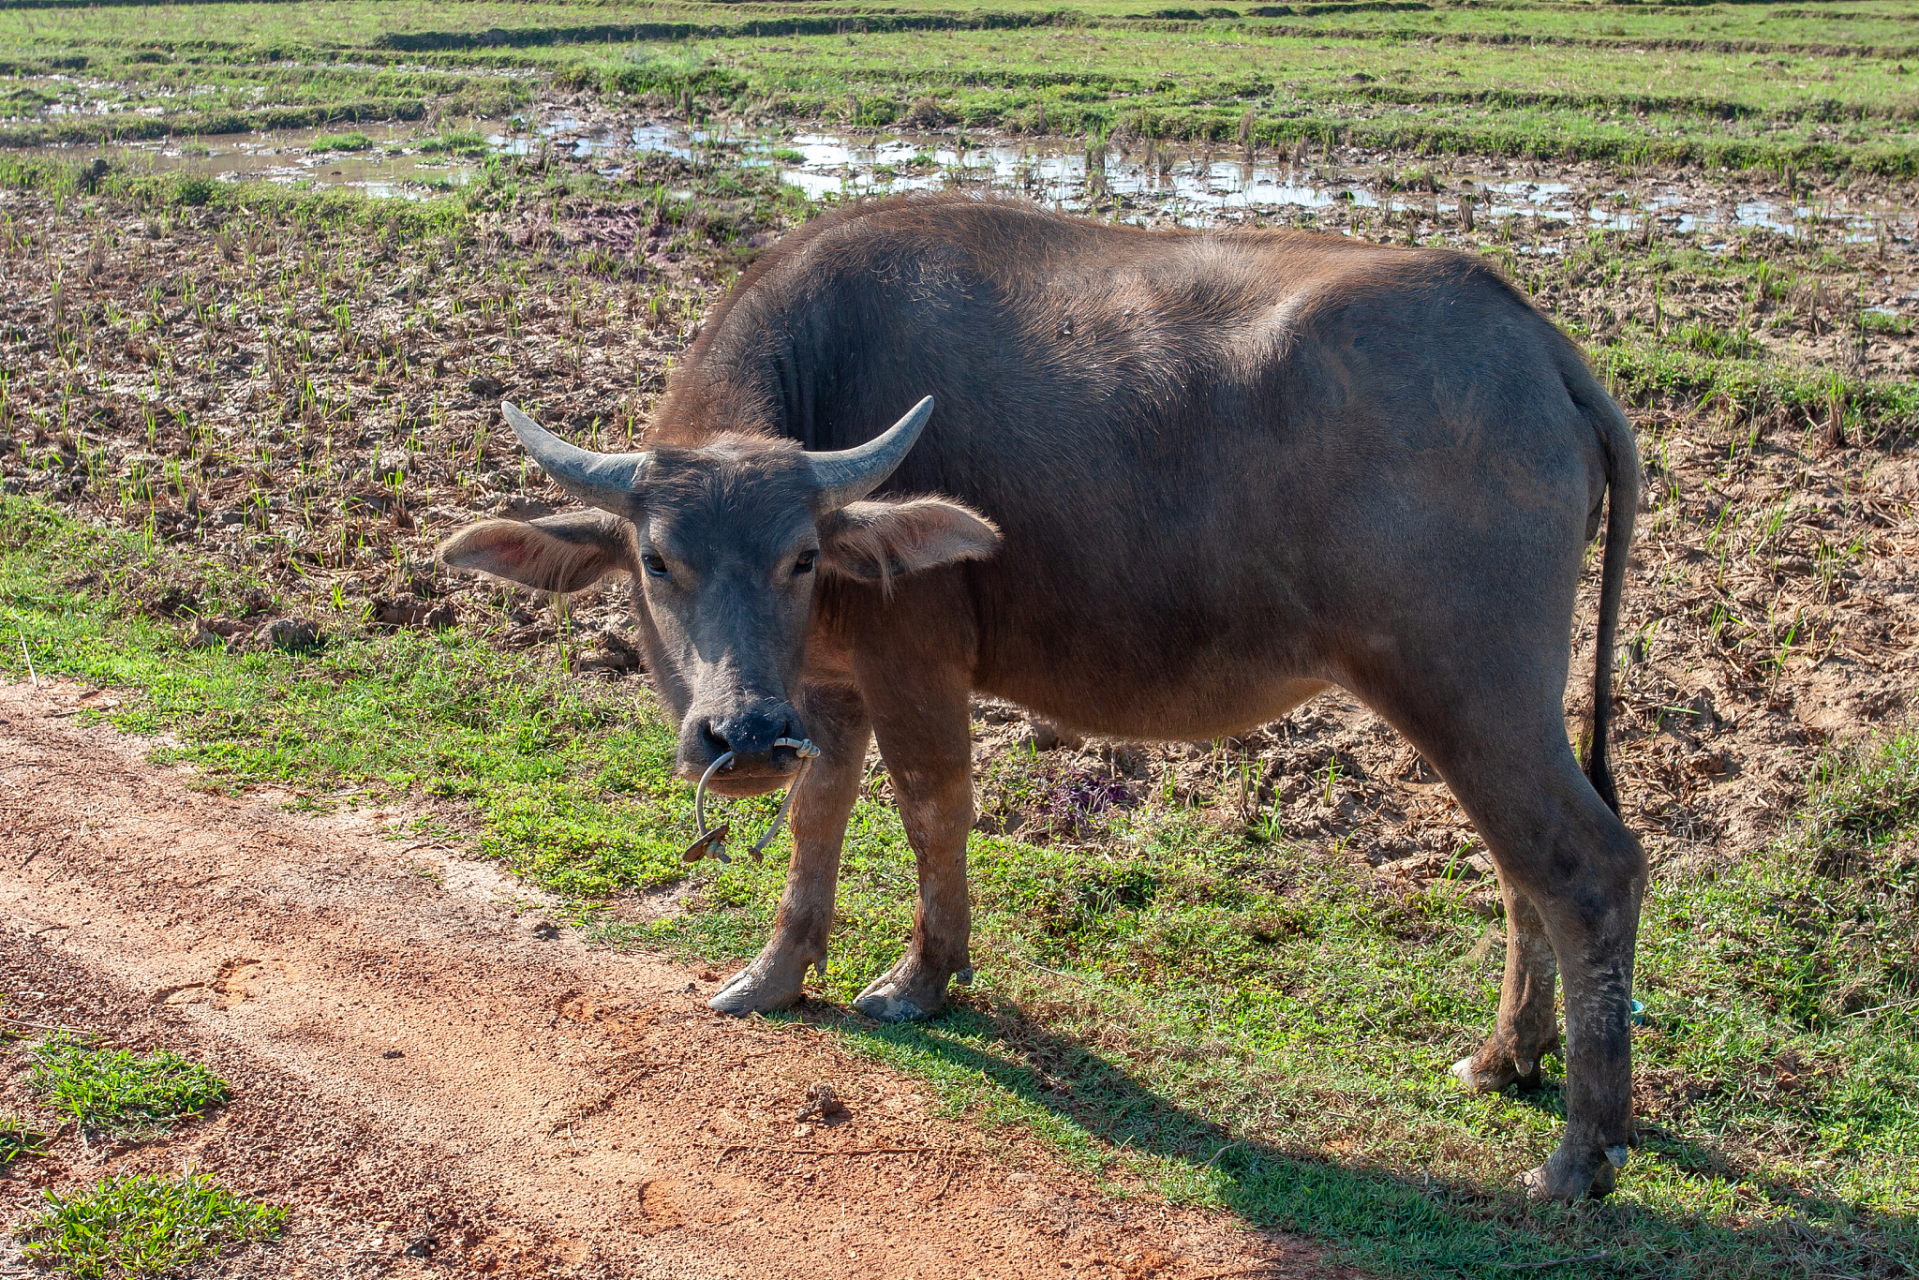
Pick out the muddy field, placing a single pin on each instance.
(317, 398)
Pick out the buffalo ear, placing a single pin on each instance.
(568, 552)
(876, 541)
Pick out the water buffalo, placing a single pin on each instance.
(1176, 483)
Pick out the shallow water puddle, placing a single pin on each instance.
(1149, 183)
(391, 164)
(1156, 182)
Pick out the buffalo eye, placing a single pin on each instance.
(805, 563)
(655, 565)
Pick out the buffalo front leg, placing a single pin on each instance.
(923, 735)
(775, 980)
(1527, 1027)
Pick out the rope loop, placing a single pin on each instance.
(712, 840)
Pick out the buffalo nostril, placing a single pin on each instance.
(754, 737)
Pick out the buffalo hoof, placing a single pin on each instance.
(1490, 1077)
(904, 993)
(1567, 1176)
(761, 987)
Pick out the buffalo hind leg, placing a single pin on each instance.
(775, 980)
(1563, 851)
(1560, 848)
(924, 735)
(1527, 1027)
(1593, 921)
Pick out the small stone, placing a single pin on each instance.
(522, 508)
(397, 613)
(618, 649)
(601, 664)
(1484, 902)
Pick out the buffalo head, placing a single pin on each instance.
(727, 543)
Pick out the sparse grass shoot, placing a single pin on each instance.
(19, 1138)
(1882, 320)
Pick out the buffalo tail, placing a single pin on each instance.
(1622, 502)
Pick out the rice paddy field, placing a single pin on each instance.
(266, 271)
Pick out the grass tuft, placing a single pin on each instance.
(143, 1226)
(115, 1089)
(340, 142)
(459, 142)
(1862, 815)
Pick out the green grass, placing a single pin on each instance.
(1169, 998)
(1817, 87)
(574, 778)
(1169, 987)
(460, 142)
(340, 142)
(1885, 322)
(143, 1226)
(120, 1091)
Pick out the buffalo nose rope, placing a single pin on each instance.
(713, 841)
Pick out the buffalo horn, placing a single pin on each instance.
(848, 475)
(603, 480)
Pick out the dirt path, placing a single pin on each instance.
(432, 1073)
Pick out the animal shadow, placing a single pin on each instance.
(1390, 1221)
